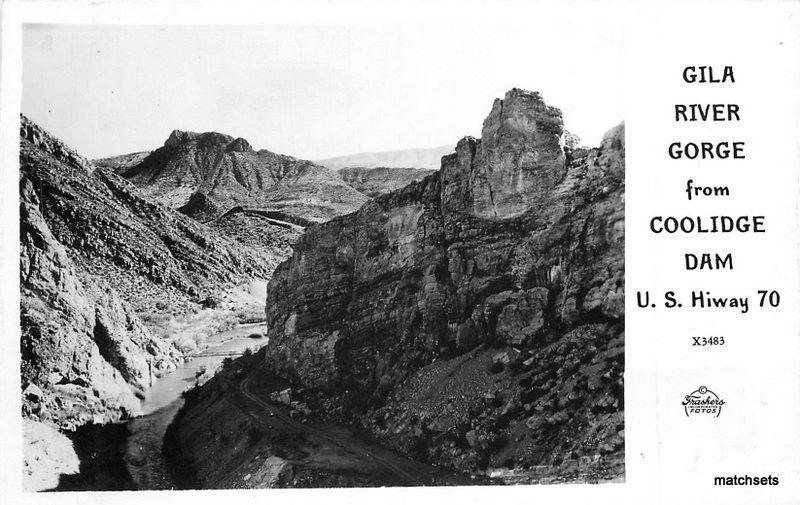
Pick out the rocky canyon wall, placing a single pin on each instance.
(508, 228)
(94, 256)
(512, 254)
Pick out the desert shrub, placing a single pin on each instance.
(497, 442)
(185, 344)
(515, 365)
(154, 318)
(251, 316)
(209, 302)
(253, 435)
(495, 367)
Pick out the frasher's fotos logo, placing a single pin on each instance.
(703, 402)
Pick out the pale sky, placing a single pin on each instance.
(314, 92)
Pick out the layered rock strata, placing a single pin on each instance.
(511, 256)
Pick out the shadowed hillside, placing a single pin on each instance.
(206, 174)
(105, 274)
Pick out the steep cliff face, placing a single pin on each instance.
(520, 160)
(96, 257)
(503, 272)
(227, 172)
(93, 254)
(149, 253)
(85, 354)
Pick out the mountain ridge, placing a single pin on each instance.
(121, 162)
(227, 171)
(103, 273)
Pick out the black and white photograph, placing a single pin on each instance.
(258, 257)
(384, 252)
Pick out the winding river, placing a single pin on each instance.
(143, 455)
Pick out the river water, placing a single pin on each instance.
(143, 455)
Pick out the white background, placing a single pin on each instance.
(670, 458)
(756, 372)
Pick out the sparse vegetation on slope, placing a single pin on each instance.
(123, 162)
(114, 288)
(225, 172)
(381, 180)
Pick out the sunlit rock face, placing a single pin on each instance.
(520, 158)
(95, 254)
(513, 238)
(473, 319)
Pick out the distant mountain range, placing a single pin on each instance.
(206, 175)
(429, 158)
(226, 172)
(381, 180)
